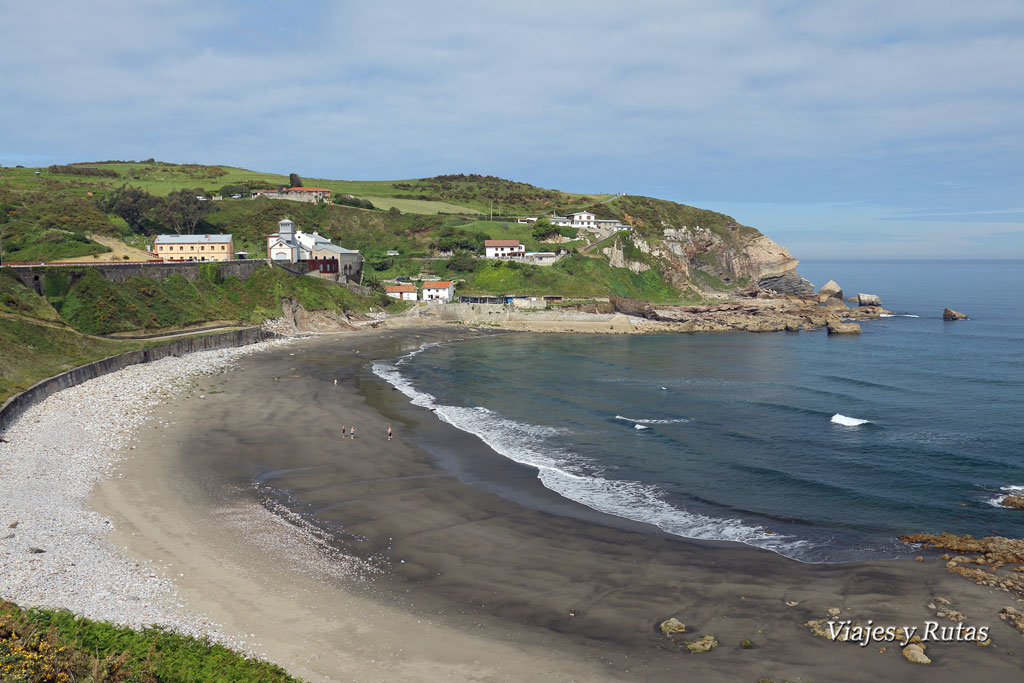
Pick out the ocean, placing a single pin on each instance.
(820, 448)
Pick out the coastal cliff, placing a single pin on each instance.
(698, 249)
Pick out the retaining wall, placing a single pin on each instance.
(17, 404)
(34, 277)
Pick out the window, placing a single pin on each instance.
(203, 248)
(181, 248)
(191, 247)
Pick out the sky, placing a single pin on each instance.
(845, 129)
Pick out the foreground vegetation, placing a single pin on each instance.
(44, 646)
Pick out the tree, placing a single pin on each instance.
(542, 228)
(462, 262)
(295, 180)
(181, 211)
(132, 204)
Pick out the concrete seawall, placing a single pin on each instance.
(17, 404)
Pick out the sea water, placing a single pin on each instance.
(822, 448)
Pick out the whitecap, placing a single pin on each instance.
(646, 421)
(640, 427)
(1010, 490)
(898, 315)
(848, 421)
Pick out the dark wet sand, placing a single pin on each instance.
(509, 564)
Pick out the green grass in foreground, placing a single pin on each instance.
(44, 645)
(33, 352)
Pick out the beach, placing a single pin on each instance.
(410, 570)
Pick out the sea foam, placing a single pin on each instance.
(567, 473)
(848, 421)
(647, 421)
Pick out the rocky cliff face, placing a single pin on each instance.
(698, 249)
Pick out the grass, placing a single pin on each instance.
(574, 276)
(50, 646)
(417, 205)
(92, 304)
(17, 299)
(33, 352)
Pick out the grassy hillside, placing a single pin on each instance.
(46, 645)
(52, 216)
(33, 352)
(94, 305)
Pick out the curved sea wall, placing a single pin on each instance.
(17, 404)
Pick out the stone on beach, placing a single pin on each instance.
(915, 653)
(702, 644)
(673, 625)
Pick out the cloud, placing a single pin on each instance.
(913, 104)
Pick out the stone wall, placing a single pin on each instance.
(17, 404)
(34, 277)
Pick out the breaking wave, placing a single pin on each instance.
(571, 475)
(848, 421)
(646, 421)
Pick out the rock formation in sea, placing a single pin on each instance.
(950, 314)
(868, 300)
(830, 290)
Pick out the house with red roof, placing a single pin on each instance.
(403, 292)
(442, 290)
(504, 249)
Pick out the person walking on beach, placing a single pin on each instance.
(352, 433)
(343, 431)
(389, 432)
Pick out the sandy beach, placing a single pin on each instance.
(415, 571)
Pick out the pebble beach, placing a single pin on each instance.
(54, 550)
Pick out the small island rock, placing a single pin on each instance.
(830, 290)
(1013, 502)
(950, 314)
(868, 300)
(843, 328)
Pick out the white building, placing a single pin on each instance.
(438, 291)
(504, 249)
(586, 220)
(288, 245)
(403, 292)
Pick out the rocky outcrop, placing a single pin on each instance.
(867, 312)
(843, 328)
(950, 314)
(617, 258)
(836, 303)
(868, 300)
(830, 290)
(298, 318)
(637, 307)
(1013, 502)
(788, 282)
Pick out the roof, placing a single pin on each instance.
(307, 189)
(442, 284)
(580, 213)
(192, 239)
(400, 288)
(502, 243)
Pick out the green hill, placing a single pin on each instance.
(674, 251)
